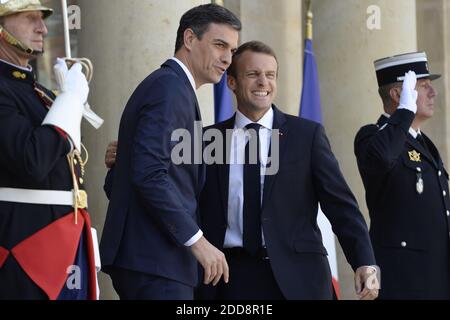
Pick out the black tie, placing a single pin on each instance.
(252, 192)
(421, 140)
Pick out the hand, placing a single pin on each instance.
(61, 70)
(408, 97)
(212, 260)
(110, 155)
(366, 282)
(75, 82)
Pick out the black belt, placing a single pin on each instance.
(239, 252)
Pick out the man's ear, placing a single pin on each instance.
(188, 37)
(231, 82)
(395, 94)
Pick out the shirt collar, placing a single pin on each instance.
(186, 71)
(411, 131)
(266, 121)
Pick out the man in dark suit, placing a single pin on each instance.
(151, 241)
(406, 184)
(267, 224)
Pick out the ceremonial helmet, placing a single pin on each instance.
(9, 7)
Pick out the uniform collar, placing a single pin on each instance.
(18, 73)
(411, 131)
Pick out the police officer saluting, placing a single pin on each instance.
(46, 248)
(406, 184)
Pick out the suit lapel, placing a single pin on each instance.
(280, 123)
(172, 64)
(223, 170)
(180, 72)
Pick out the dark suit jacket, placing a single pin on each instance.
(308, 174)
(409, 230)
(153, 203)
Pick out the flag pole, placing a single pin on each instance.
(309, 21)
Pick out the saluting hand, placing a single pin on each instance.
(408, 97)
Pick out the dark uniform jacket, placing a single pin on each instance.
(408, 199)
(32, 156)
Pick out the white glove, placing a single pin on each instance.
(408, 97)
(60, 75)
(67, 110)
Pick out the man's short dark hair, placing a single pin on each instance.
(199, 18)
(385, 92)
(253, 46)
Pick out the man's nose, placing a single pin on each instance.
(42, 28)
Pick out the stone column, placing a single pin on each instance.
(345, 49)
(278, 24)
(126, 40)
(433, 32)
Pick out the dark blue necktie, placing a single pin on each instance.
(252, 191)
(421, 140)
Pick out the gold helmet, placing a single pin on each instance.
(9, 7)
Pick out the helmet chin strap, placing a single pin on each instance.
(8, 37)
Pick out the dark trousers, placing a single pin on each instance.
(251, 278)
(133, 285)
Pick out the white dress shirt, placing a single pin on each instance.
(234, 233)
(199, 234)
(186, 70)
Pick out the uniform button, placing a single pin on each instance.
(75, 161)
(418, 169)
(439, 173)
(81, 180)
(403, 244)
(448, 213)
(444, 193)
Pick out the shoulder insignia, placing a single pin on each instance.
(19, 75)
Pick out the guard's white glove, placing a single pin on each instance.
(67, 110)
(60, 75)
(408, 97)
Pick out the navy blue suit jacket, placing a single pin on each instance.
(308, 174)
(153, 202)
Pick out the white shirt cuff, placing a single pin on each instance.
(194, 239)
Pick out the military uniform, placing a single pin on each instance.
(408, 199)
(38, 242)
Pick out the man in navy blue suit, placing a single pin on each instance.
(151, 240)
(266, 223)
